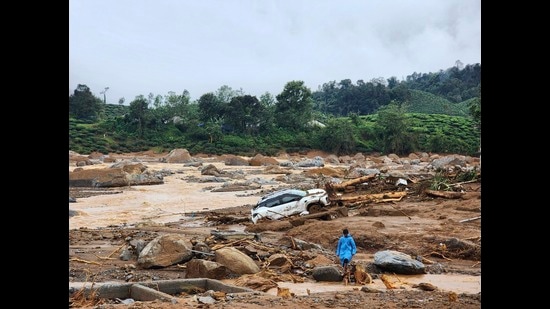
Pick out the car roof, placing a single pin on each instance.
(284, 191)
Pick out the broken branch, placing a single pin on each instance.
(116, 250)
(84, 261)
(440, 255)
(470, 219)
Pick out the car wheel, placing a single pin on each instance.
(313, 208)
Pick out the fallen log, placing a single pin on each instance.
(342, 186)
(376, 197)
(445, 194)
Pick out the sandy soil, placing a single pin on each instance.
(416, 225)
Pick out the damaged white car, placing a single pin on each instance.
(289, 202)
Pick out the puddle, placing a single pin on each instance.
(457, 283)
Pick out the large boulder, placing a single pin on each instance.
(130, 167)
(398, 262)
(165, 250)
(121, 175)
(198, 268)
(235, 160)
(236, 261)
(327, 273)
(178, 156)
(107, 177)
(260, 160)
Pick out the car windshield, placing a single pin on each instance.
(281, 197)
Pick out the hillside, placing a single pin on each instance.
(427, 103)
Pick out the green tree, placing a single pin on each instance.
(178, 103)
(138, 113)
(294, 106)
(244, 114)
(226, 93)
(267, 118)
(174, 106)
(393, 129)
(338, 137)
(213, 127)
(475, 110)
(84, 105)
(210, 107)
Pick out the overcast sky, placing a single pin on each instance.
(141, 46)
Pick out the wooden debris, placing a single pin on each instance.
(426, 261)
(247, 241)
(84, 261)
(216, 247)
(283, 292)
(389, 285)
(324, 215)
(293, 243)
(440, 255)
(470, 219)
(230, 234)
(121, 246)
(109, 257)
(362, 277)
(445, 194)
(104, 257)
(389, 200)
(342, 186)
(402, 212)
(475, 238)
(375, 198)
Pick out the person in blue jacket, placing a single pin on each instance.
(346, 248)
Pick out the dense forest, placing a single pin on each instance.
(430, 112)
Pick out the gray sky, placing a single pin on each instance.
(140, 46)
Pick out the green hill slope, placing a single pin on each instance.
(427, 103)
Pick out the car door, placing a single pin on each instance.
(289, 204)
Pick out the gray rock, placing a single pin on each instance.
(327, 273)
(126, 255)
(206, 300)
(398, 262)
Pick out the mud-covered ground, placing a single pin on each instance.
(421, 225)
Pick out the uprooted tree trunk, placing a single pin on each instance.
(445, 194)
(374, 198)
(342, 186)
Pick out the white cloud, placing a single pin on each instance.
(138, 47)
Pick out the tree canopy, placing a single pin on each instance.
(84, 105)
(294, 107)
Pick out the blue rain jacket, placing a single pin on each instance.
(346, 248)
